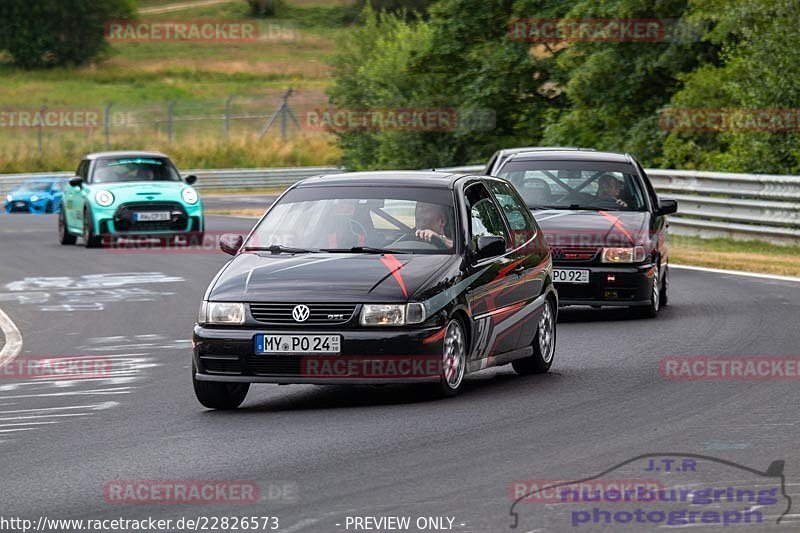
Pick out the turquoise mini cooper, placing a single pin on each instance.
(129, 195)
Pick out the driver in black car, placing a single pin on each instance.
(431, 220)
(610, 189)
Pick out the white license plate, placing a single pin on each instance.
(571, 276)
(294, 344)
(152, 216)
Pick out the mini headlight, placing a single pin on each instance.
(9, 198)
(392, 314)
(34, 198)
(623, 255)
(189, 195)
(224, 313)
(103, 198)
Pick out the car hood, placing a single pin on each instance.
(25, 194)
(325, 277)
(593, 228)
(130, 191)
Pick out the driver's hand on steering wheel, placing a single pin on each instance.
(428, 235)
(622, 203)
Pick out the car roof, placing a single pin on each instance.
(571, 155)
(106, 155)
(511, 151)
(428, 178)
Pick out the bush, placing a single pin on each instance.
(51, 33)
(264, 8)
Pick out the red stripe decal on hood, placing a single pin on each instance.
(617, 224)
(394, 266)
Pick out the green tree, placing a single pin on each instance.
(759, 70)
(48, 33)
(616, 89)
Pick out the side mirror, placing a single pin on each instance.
(230, 243)
(490, 246)
(77, 181)
(667, 207)
(191, 180)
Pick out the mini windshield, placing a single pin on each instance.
(576, 185)
(134, 169)
(359, 220)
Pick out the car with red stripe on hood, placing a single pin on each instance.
(606, 226)
(378, 278)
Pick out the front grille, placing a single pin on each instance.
(217, 365)
(276, 365)
(280, 313)
(574, 254)
(124, 222)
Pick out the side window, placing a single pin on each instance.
(83, 169)
(485, 219)
(519, 217)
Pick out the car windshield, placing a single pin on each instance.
(134, 169)
(359, 220)
(35, 186)
(576, 185)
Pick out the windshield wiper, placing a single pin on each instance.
(362, 250)
(279, 249)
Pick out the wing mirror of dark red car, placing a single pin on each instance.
(230, 243)
(490, 246)
(77, 181)
(667, 207)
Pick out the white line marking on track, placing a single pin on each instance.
(737, 273)
(13, 340)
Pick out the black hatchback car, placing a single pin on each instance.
(606, 226)
(375, 278)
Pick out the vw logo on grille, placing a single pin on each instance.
(558, 253)
(300, 313)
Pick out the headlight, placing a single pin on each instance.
(623, 255)
(34, 198)
(225, 313)
(9, 198)
(392, 315)
(103, 198)
(189, 195)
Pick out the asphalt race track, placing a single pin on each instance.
(364, 451)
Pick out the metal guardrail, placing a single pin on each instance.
(711, 204)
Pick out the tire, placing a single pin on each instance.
(544, 345)
(64, 236)
(454, 359)
(222, 396)
(90, 240)
(48, 208)
(665, 287)
(654, 306)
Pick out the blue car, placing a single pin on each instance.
(36, 196)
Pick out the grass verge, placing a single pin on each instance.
(747, 256)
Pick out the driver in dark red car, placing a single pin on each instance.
(610, 188)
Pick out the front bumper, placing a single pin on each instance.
(26, 206)
(117, 220)
(609, 285)
(380, 356)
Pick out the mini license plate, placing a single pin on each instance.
(152, 216)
